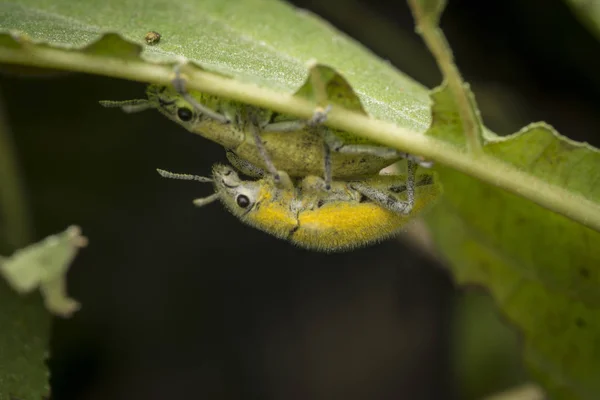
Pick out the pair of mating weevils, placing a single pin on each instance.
(315, 186)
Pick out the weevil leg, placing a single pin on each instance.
(263, 152)
(179, 84)
(285, 181)
(316, 123)
(291, 126)
(334, 142)
(247, 168)
(319, 117)
(321, 95)
(285, 126)
(337, 145)
(387, 200)
(244, 166)
(411, 168)
(327, 165)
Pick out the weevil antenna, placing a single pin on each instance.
(185, 177)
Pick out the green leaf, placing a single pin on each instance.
(24, 323)
(25, 327)
(542, 268)
(338, 90)
(44, 265)
(588, 11)
(266, 42)
(486, 353)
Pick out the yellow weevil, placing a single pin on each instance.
(350, 214)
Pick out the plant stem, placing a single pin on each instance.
(438, 45)
(483, 167)
(14, 215)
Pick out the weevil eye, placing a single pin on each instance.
(184, 114)
(243, 201)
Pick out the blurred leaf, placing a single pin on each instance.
(486, 350)
(15, 222)
(23, 343)
(44, 265)
(24, 323)
(542, 268)
(588, 11)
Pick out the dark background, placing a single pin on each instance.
(186, 303)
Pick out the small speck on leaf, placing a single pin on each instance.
(152, 37)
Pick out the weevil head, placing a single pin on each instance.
(175, 107)
(238, 195)
(170, 103)
(258, 203)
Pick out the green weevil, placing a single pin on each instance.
(272, 140)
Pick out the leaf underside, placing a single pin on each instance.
(542, 268)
